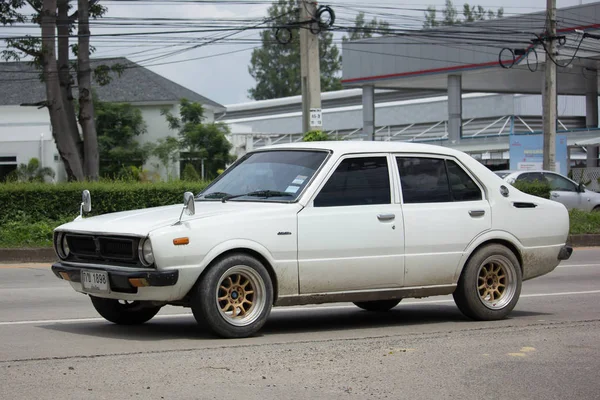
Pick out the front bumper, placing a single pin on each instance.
(565, 253)
(119, 279)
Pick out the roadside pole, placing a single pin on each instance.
(310, 69)
(549, 161)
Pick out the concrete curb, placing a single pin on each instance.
(586, 240)
(28, 255)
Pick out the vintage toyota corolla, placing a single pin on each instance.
(304, 223)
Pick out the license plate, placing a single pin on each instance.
(96, 281)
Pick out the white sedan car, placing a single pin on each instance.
(304, 223)
(564, 190)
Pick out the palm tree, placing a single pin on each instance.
(32, 172)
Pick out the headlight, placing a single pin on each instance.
(62, 247)
(146, 254)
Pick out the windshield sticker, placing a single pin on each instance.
(299, 180)
(292, 189)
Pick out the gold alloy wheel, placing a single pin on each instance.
(241, 295)
(496, 282)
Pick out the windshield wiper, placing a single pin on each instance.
(259, 193)
(215, 195)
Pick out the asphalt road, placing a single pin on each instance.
(54, 346)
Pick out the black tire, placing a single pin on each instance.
(124, 313)
(377, 305)
(225, 289)
(493, 270)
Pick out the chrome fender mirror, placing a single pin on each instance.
(189, 206)
(86, 203)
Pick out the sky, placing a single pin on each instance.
(218, 68)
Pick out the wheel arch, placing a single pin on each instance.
(503, 239)
(252, 249)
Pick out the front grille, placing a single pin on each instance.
(104, 249)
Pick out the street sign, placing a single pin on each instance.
(316, 117)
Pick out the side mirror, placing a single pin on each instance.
(86, 204)
(189, 206)
(581, 188)
(86, 201)
(188, 203)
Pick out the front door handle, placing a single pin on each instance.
(386, 217)
(477, 213)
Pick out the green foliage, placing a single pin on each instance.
(450, 14)
(583, 222)
(31, 172)
(276, 67)
(363, 29)
(538, 188)
(190, 173)
(167, 151)
(317, 136)
(199, 140)
(118, 125)
(58, 201)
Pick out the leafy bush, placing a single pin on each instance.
(190, 173)
(317, 136)
(540, 189)
(42, 202)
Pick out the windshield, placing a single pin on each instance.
(269, 175)
(502, 174)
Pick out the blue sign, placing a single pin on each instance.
(527, 152)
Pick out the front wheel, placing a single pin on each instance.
(234, 298)
(490, 284)
(124, 312)
(377, 305)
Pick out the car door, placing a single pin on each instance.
(566, 192)
(444, 210)
(351, 236)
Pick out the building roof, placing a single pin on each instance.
(20, 84)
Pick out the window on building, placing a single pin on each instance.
(8, 164)
(357, 181)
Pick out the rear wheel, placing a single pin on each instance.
(124, 312)
(377, 305)
(234, 298)
(490, 284)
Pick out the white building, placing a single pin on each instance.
(25, 130)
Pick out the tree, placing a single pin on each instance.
(450, 13)
(167, 151)
(51, 54)
(276, 67)
(203, 143)
(365, 30)
(118, 125)
(31, 172)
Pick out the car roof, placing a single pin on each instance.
(355, 146)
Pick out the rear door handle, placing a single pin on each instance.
(386, 217)
(477, 213)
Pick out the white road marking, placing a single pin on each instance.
(578, 265)
(297, 308)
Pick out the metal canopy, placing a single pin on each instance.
(474, 51)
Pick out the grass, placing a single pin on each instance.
(584, 222)
(23, 232)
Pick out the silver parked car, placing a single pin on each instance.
(564, 190)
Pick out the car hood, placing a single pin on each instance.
(143, 221)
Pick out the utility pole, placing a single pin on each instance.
(310, 69)
(549, 161)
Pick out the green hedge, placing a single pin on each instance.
(540, 189)
(39, 201)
